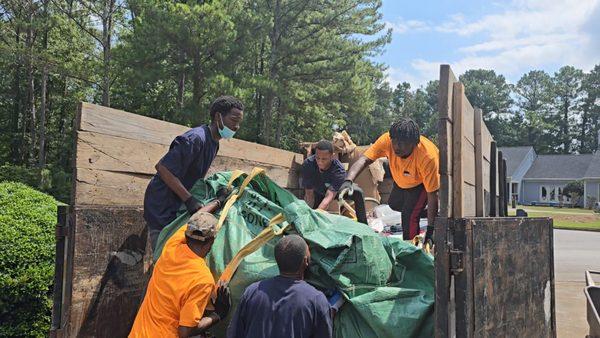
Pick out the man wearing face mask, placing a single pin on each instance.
(188, 159)
(414, 164)
(285, 305)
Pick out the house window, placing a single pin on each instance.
(552, 194)
(544, 194)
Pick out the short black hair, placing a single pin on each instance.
(224, 104)
(289, 253)
(325, 145)
(405, 130)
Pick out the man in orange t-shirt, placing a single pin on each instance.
(414, 164)
(181, 285)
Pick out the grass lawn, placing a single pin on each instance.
(565, 218)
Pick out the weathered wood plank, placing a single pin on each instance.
(442, 278)
(445, 95)
(468, 162)
(458, 95)
(102, 187)
(111, 266)
(119, 123)
(479, 200)
(493, 179)
(463, 241)
(109, 153)
(103, 152)
(513, 274)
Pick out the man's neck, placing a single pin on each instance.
(297, 275)
(214, 131)
(199, 251)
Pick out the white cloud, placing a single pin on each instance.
(528, 34)
(395, 76)
(403, 26)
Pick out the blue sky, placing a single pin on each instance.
(511, 37)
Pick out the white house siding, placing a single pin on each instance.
(592, 189)
(532, 188)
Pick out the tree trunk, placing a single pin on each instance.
(31, 90)
(565, 126)
(16, 142)
(279, 124)
(43, 96)
(42, 122)
(265, 136)
(197, 80)
(107, 26)
(181, 81)
(582, 137)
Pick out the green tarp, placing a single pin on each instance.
(388, 284)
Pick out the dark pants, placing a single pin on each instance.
(318, 199)
(411, 203)
(153, 237)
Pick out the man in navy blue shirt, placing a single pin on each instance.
(285, 305)
(188, 159)
(322, 176)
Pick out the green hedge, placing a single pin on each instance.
(50, 180)
(27, 222)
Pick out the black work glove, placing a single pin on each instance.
(223, 195)
(347, 185)
(223, 301)
(192, 205)
(428, 237)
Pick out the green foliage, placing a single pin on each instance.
(573, 189)
(27, 220)
(50, 180)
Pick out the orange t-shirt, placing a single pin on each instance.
(422, 166)
(178, 291)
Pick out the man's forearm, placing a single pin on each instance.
(173, 182)
(432, 207)
(358, 167)
(329, 196)
(204, 324)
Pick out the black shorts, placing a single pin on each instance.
(411, 203)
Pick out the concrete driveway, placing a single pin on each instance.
(574, 252)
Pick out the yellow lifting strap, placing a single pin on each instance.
(237, 173)
(263, 237)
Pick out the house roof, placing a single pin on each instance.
(514, 157)
(560, 166)
(593, 170)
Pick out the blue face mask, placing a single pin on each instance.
(225, 132)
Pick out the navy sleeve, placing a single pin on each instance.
(236, 326)
(180, 156)
(307, 175)
(323, 322)
(338, 177)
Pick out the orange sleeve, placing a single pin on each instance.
(430, 171)
(379, 148)
(193, 309)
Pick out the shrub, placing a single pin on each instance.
(27, 221)
(51, 180)
(574, 190)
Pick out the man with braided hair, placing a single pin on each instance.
(414, 164)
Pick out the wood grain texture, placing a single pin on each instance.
(110, 268)
(513, 274)
(126, 125)
(116, 154)
(479, 199)
(458, 95)
(445, 140)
